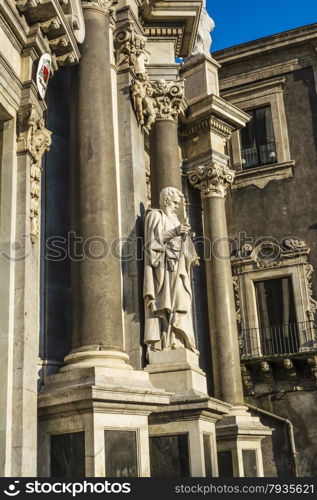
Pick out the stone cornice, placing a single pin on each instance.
(212, 105)
(174, 13)
(207, 124)
(212, 181)
(287, 39)
(267, 86)
(212, 113)
(166, 33)
(56, 24)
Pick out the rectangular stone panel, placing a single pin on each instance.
(225, 464)
(207, 455)
(68, 455)
(121, 453)
(249, 463)
(169, 456)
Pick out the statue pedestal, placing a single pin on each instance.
(201, 75)
(239, 437)
(177, 370)
(187, 423)
(93, 421)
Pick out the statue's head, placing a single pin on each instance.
(170, 199)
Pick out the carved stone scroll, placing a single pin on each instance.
(130, 49)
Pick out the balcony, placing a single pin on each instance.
(278, 341)
(258, 155)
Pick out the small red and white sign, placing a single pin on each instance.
(43, 74)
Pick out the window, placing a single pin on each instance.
(257, 139)
(253, 149)
(278, 329)
(275, 307)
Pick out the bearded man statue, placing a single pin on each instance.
(169, 255)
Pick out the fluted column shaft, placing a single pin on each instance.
(213, 182)
(96, 278)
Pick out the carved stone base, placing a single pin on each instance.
(96, 419)
(239, 437)
(177, 370)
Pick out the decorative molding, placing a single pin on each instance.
(212, 181)
(35, 139)
(261, 176)
(312, 308)
(130, 48)
(208, 124)
(61, 26)
(175, 33)
(254, 89)
(271, 260)
(236, 293)
(154, 100)
(168, 97)
(268, 254)
(103, 5)
(147, 178)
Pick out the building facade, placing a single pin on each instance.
(272, 223)
(116, 142)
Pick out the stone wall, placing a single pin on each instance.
(56, 317)
(286, 207)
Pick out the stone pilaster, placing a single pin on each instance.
(213, 182)
(33, 139)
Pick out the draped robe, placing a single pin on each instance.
(162, 287)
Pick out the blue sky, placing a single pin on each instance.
(239, 21)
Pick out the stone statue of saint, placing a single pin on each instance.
(169, 255)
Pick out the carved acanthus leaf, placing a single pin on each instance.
(156, 99)
(168, 97)
(212, 180)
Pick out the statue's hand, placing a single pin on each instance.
(183, 228)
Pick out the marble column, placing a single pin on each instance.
(213, 182)
(96, 271)
(164, 156)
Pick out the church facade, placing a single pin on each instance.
(157, 282)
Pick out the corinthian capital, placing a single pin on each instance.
(168, 96)
(156, 99)
(212, 180)
(103, 5)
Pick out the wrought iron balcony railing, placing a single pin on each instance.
(279, 340)
(258, 155)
